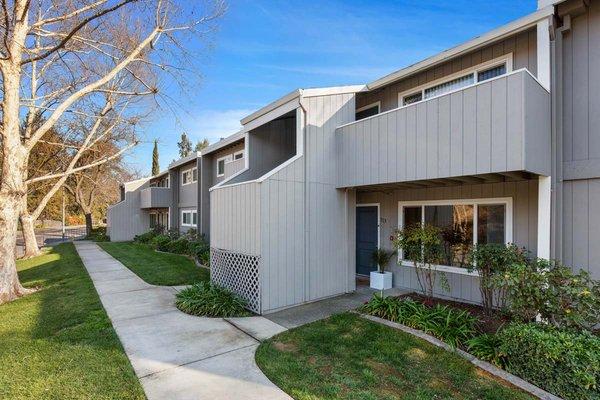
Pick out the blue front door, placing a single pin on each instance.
(367, 233)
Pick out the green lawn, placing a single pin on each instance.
(156, 268)
(348, 357)
(58, 343)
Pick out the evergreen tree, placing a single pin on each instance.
(201, 145)
(185, 146)
(155, 165)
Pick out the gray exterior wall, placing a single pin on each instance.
(496, 126)
(463, 287)
(155, 197)
(523, 46)
(577, 100)
(188, 194)
(269, 146)
(207, 176)
(126, 218)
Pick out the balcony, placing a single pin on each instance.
(498, 126)
(155, 197)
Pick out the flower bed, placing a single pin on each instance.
(190, 244)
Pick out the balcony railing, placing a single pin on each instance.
(155, 197)
(496, 126)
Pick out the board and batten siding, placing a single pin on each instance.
(523, 193)
(188, 194)
(236, 218)
(496, 126)
(580, 123)
(523, 46)
(126, 219)
(282, 237)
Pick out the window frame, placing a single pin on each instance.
(363, 108)
(506, 59)
(191, 212)
(225, 159)
(238, 153)
(508, 224)
(191, 171)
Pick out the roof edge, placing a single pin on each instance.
(509, 29)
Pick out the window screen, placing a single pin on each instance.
(491, 73)
(449, 86)
(220, 167)
(413, 98)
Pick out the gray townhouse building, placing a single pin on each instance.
(177, 198)
(499, 136)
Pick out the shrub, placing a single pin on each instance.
(486, 347)
(563, 362)
(561, 297)
(491, 261)
(423, 246)
(145, 238)
(209, 300)
(160, 242)
(178, 246)
(98, 234)
(201, 251)
(451, 325)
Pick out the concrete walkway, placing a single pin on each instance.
(178, 356)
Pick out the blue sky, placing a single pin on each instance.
(265, 49)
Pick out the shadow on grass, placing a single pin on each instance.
(59, 342)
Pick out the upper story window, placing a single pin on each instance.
(189, 218)
(238, 155)
(221, 165)
(479, 73)
(367, 111)
(189, 176)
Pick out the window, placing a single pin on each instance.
(479, 73)
(367, 111)
(412, 98)
(238, 155)
(189, 218)
(189, 176)
(221, 165)
(462, 223)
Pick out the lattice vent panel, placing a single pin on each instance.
(237, 272)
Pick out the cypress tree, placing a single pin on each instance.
(155, 165)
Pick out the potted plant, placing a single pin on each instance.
(382, 279)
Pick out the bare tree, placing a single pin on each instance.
(94, 189)
(62, 58)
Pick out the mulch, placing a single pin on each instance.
(487, 323)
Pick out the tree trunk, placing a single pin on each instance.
(31, 246)
(10, 287)
(88, 224)
(27, 223)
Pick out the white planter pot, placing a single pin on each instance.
(381, 281)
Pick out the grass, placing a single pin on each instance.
(156, 268)
(208, 300)
(58, 343)
(348, 357)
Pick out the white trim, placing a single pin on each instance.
(504, 31)
(543, 52)
(236, 153)
(544, 216)
(272, 114)
(378, 221)
(377, 103)
(444, 268)
(191, 171)
(225, 160)
(328, 91)
(190, 211)
(521, 70)
(506, 59)
(508, 220)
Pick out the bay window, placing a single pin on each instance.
(462, 224)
